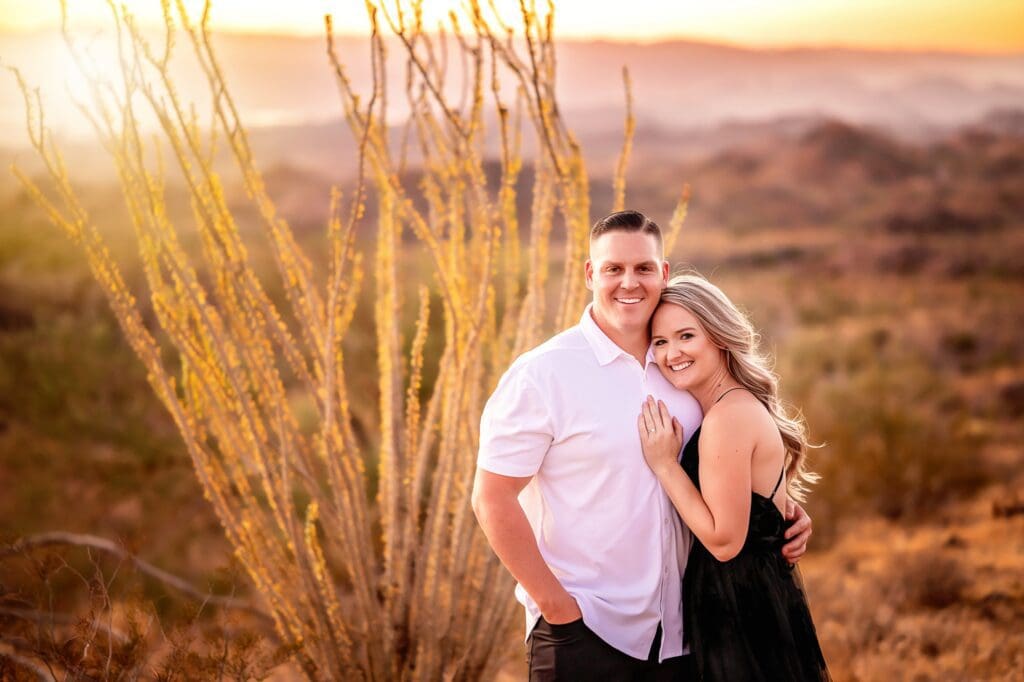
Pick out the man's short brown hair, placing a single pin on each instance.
(627, 221)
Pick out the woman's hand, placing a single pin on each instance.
(661, 436)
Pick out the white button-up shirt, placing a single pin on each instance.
(565, 413)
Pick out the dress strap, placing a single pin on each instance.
(778, 483)
(727, 392)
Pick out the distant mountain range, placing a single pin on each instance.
(821, 173)
(678, 85)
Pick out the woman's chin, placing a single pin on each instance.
(682, 385)
(677, 381)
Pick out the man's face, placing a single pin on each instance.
(626, 273)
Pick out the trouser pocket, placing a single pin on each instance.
(571, 651)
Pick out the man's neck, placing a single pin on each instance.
(635, 342)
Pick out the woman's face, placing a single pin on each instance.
(682, 349)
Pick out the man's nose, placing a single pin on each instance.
(629, 280)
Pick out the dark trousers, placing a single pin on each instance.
(557, 653)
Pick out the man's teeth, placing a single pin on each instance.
(629, 300)
(680, 367)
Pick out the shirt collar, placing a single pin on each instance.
(604, 348)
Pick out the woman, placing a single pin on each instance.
(745, 615)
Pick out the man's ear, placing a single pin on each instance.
(588, 269)
(664, 271)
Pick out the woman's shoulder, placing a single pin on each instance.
(739, 417)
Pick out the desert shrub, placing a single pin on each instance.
(1011, 399)
(960, 343)
(786, 255)
(76, 412)
(891, 445)
(931, 579)
(824, 303)
(905, 259)
(939, 220)
(884, 452)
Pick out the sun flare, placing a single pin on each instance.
(982, 25)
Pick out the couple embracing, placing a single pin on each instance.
(633, 562)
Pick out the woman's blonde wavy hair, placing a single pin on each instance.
(730, 329)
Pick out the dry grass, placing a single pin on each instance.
(936, 601)
(73, 614)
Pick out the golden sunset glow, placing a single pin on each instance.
(980, 25)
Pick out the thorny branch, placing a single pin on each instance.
(60, 538)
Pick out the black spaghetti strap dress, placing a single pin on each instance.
(746, 619)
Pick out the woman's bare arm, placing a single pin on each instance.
(719, 517)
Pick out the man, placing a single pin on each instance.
(562, 491)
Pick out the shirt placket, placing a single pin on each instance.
(668, 552)
(665, 528)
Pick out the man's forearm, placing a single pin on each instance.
(509, 533)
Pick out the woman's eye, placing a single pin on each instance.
(659, 343)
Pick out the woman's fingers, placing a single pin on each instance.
(655, 413)
(666, 418)
(648, 418)
(655, 417)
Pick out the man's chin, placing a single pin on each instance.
(629, 318)
(637, 311)
(638, 318)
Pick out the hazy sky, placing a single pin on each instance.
(974, 25)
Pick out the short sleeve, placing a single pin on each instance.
(515, 428)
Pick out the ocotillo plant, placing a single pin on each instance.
(400, 584)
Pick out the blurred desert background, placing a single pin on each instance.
(864, 204)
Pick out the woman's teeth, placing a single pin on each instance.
(680, 367)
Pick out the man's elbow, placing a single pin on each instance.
(494, 498)
(480, 501)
